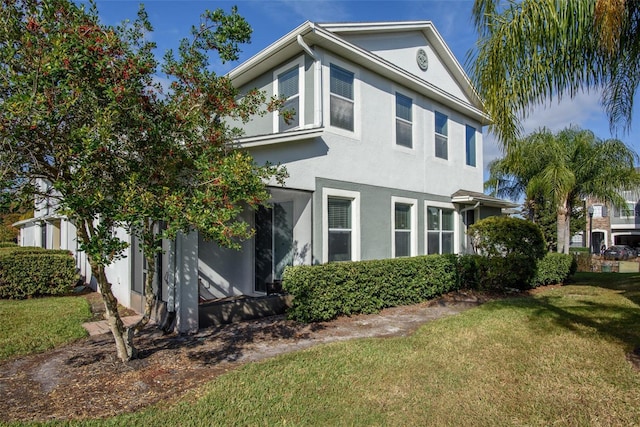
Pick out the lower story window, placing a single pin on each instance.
(402, 217)
(440, 230)
(340, 232)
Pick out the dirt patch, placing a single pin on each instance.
(85, 379)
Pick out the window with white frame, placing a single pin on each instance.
(340, 232)
(632, 210)
(404, 121)
(287, 86)
(341, 106)
(404, 225)
(341, 213)
(440, 230)
(470, 146)
(441, 135)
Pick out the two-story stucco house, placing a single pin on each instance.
(612, 226)
(384, 156)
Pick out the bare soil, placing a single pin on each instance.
(85, 379)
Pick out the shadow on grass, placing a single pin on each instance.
(585, 311)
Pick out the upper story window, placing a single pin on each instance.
(631, 211)
(404, 121)
(470, 146)
(342, 109)
(442, 135)
(289, 89)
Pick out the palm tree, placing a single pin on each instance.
(564, 168)
(533, 50)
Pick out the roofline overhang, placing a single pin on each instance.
(279, 138)
(39, 219)
(317, 35)
(484, 201)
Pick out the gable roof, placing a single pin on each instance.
(329, 37)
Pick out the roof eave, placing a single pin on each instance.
(279, 138)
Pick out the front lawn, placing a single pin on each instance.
(558, 358)
(35, 325)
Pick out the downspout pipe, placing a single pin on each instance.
(317, 75)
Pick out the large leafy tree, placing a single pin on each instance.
(563, 169)
(531, 51)
(82, 123)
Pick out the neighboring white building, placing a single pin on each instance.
(384, 157)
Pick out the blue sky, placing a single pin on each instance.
(172, 20)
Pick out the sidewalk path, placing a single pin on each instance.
(102, 327)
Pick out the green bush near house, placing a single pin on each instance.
(583, 261)
(496, 273)
(578, 249)
(504, 236)
(554, 268)
(34, 272)
(8, 245)
(323, 292)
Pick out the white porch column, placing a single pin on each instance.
(64, 234)
(37, 236)
(186, 273)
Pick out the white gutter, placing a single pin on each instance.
(317, 76)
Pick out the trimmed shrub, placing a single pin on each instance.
(496, 273)
(8, 245)
(583, 261)
(324, 292)
(502, 236)
(554, 268)
(578, 249)
(26, 274)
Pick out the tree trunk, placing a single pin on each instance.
(123, 337)
(562, 228)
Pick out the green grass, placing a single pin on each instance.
(558, 358)
(35, 325)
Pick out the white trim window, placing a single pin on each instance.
(405, 222)
(470, 146)
(440, 230)
(288, 84)
(441, 135)
(342, 98)
(632, 210)
(404, 121)
(341, 220)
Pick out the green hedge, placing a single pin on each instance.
(8, 245)
(323, 292)
(580, 249)
(26, 274)
(554, 268)
(32, 250)
(496, 273)
(583, 261)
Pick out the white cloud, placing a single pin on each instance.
(584, 111)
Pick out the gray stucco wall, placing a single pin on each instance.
(375, 217)
(263, 125)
